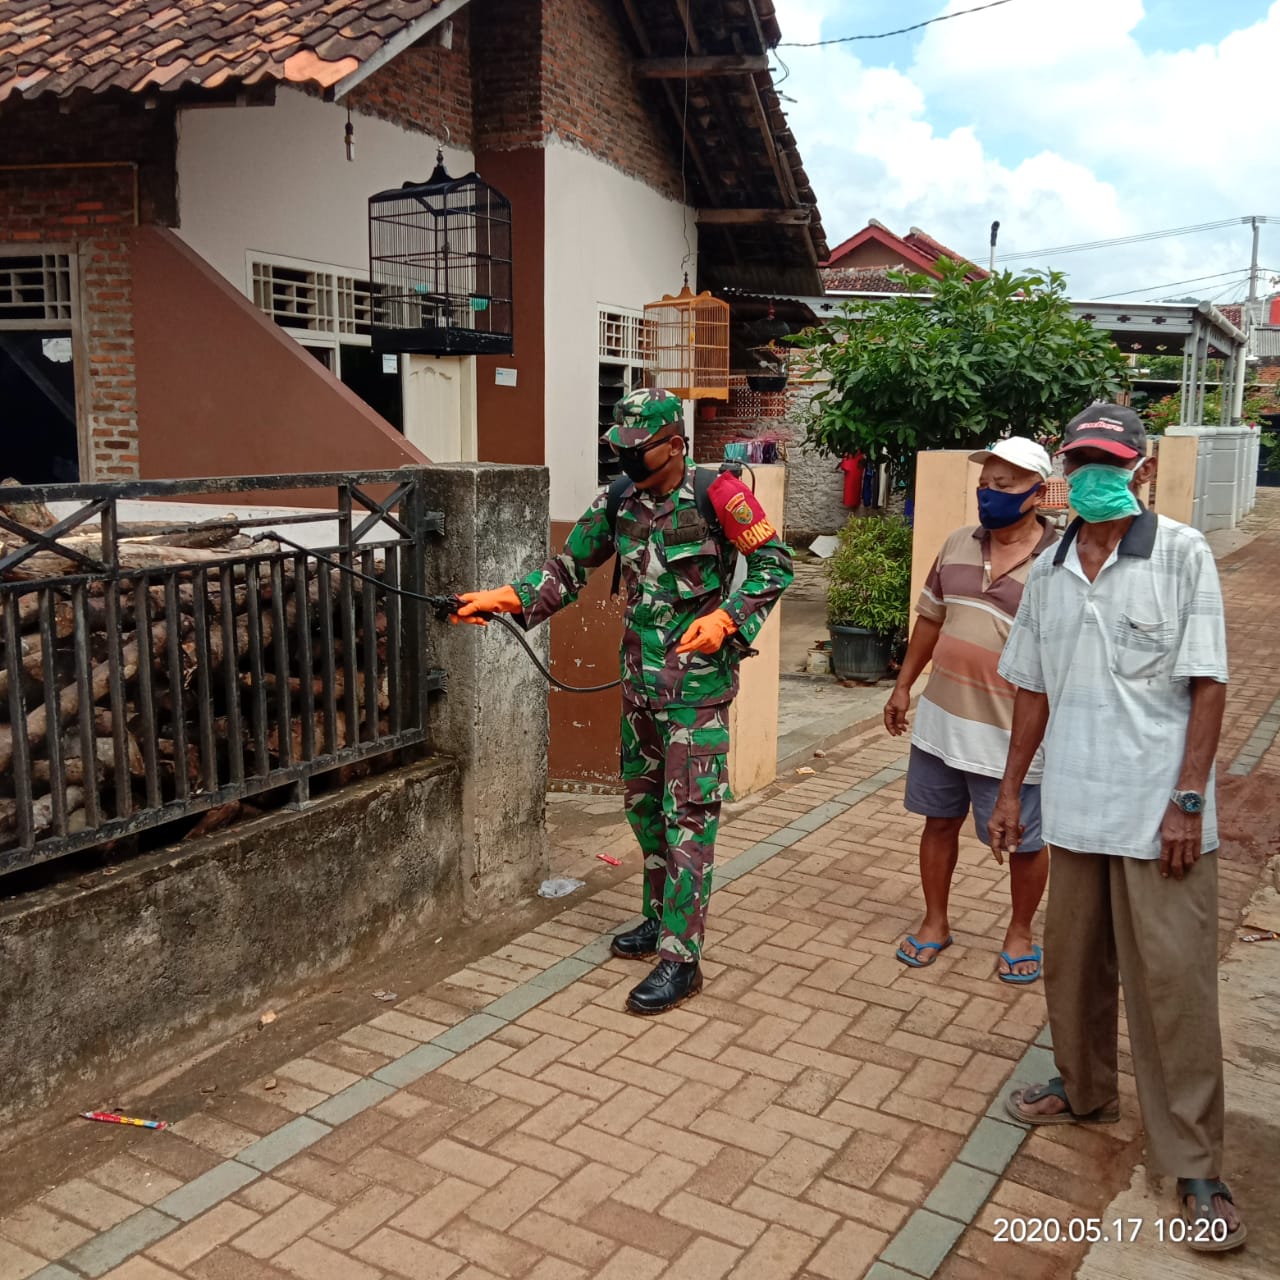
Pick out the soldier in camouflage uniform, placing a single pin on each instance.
(685, 632)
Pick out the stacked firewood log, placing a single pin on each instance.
(228, 659)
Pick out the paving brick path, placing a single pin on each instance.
(819, 1111)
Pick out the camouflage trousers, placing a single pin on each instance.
(675, 777)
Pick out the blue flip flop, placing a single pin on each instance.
(1021, 979)
(914, 962)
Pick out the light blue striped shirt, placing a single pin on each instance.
(1115, 657)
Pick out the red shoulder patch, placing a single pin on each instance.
(740, 514)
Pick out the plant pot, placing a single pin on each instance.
(767, 381)
(707, 410)
(859, 654)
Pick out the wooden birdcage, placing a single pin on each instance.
(687, 345)
(440, 262)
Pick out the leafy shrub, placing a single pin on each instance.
(870, 575)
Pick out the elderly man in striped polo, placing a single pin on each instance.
(961, 733)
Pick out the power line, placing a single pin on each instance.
(1119, 240)
(1229, 288)
(884, 35)
(1138, 238)
(1217, 275)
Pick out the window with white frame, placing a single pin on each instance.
(331, 311)
(40, 423)
(35, 288)
(621, 358)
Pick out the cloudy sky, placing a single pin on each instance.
(1068, 120)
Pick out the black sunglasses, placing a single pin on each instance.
(637, 452)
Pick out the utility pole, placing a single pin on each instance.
(995, 231)
(1253, 261)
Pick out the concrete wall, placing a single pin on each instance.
(1225, 475)
(223, 391)
(276, 180)
(611, 241)
(494, 718)
(182, 946)
(815, 495)
(584, 650)
(753, 718)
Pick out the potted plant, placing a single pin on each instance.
(868, 595)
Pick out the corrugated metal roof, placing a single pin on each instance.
(1265, 341)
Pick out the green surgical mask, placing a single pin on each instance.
(1101, 492)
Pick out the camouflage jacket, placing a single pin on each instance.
(671, 573)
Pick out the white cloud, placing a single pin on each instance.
(1102, 139)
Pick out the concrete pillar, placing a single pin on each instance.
(1240, 370)
(1176, 482)
(753, 718)
(946, 489)
(493, 720)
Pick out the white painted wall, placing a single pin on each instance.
(276, 180)
(610, 241)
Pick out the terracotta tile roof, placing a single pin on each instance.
(61, 46)
(862, 279)
(935, 249)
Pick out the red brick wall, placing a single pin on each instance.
(110, 128)
(746, 415)
(427, 88)
(591, 97)
(506, 73)
(91, 211)
(563, 68)
(106, 282)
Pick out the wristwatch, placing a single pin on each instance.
(1188, 801)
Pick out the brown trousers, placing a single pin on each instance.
(1113, 918)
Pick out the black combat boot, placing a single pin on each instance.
(638, 943)
(670, 983)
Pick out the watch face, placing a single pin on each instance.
(1190, 802)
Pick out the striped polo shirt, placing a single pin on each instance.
(966, 711)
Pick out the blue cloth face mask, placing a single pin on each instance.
(998, 509)
(1101, 492)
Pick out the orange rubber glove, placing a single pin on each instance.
(707, 634)
(503, 600)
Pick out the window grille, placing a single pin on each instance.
(361, 305)
(295, 297)
(624, 335)
(624, 340)
(35, 287)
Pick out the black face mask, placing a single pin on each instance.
(634, 466)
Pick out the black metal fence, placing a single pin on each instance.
(147, 675)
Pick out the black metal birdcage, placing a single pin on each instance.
(440, 262)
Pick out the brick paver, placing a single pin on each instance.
(819, 1111)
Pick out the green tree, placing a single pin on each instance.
(975, 361)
